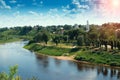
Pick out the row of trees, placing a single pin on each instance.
(97, 36)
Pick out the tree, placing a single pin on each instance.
(38, 38)
(24, 30)
(80, 41)
(12, 74)
(45, 37)
(41, 37)
(93, 36)
(56, 39)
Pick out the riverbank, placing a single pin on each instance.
(111, 58)
(71, 58)
(10, 40)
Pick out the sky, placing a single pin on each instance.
(58, 12)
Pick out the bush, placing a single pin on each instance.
(74, 49)
(80, 58)
(11, 76)
(113, 64)
(91, 60)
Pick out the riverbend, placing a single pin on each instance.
(48, 68)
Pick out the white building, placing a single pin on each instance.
(87, 26)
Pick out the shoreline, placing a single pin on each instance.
(83, 62)
(71, 58)
(4, 42)
(82, 57)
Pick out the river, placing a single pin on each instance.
(47, 68)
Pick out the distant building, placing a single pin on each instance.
(87, 26)
(61, 30)
(76, 26)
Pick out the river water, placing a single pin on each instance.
(47, 68)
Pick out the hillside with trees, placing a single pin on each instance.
(100, 39)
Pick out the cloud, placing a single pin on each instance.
(20, 5)
(37, 3)
(34, 2)
(105, 8)
(13, 1)
(4, 5)
(52, 17)
(78, 12)
(33, 13)
(41, 2)
(77, 6)
(17, 13)
(98, 8)
(53, 11)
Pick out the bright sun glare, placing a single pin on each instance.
(116, 3)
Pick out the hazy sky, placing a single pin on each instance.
(58, 12)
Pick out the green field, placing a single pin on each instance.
(98, 57)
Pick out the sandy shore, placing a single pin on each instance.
(71, 58)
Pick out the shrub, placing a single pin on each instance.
(12, 74)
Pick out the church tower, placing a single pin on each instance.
(87, 26)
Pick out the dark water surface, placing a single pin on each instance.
(47, 68)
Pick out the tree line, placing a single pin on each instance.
(107, 34)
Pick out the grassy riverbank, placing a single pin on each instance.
(10, 40)
(48, 50)
(98, 57)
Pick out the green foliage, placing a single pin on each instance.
(12, 74)
(38, 37)
(41, 37)
(48, 50)
(13, 71)
(45, 37)
(56, 39)
(97, 37)
(99, 57)
(24, 30)
(93, 33)
(80, 41)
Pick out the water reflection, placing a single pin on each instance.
(84, 67)
(48, 68)
(113, 72)
(118, 75)
(57, 62)
(101, 70)
(43, 60)
(106, 73)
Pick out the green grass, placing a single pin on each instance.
(47, 50)
(81, 54)
(99, 58)
(9, 40)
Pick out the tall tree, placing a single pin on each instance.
(45, 37)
